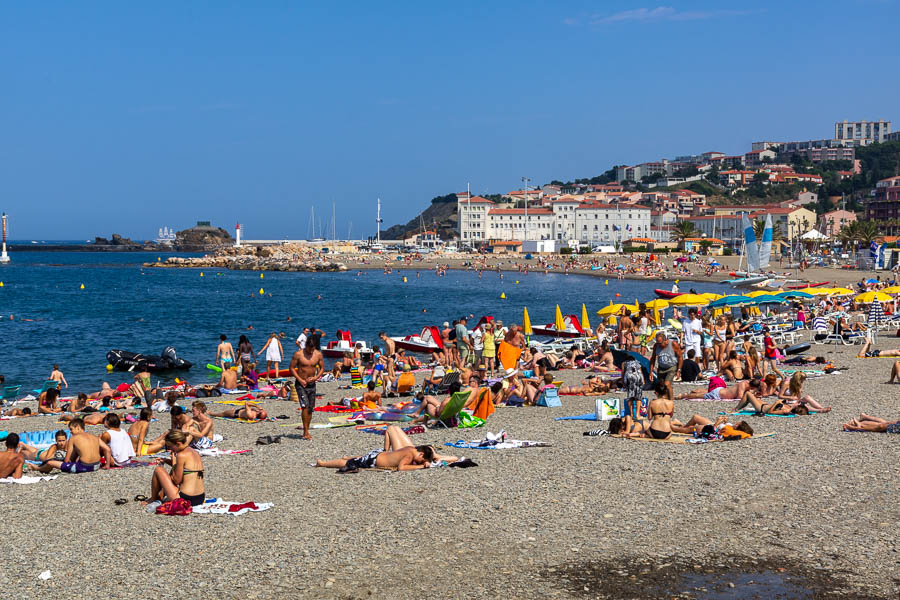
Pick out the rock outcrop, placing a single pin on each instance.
(287, 257)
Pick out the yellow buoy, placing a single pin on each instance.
(261, 292)
(260, 275)
(157, 259)
(503, 295)
(404, 279)
(109, 368)
(1, 284)
(606, 282)
(82, 286)
(517, 282)
(201, 273)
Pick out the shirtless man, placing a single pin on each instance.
(11, 461)
(398, 453)
(868, 352)
(733, 367)
(390, 347)
(514, 337)
(306, 367)
(249, 412)
(105, 392)
(371, 395)
(224, 353)
(868, 423)
(138, 431)
(57, 375)
(83, 451)
(18, 412)
(228, 380)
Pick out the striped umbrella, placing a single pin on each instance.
(876, 317)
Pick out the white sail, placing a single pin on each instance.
(750, 246)
(765, 246)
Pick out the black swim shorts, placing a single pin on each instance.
(307, 395)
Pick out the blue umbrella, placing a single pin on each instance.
(715, 264)
(769, 299)
(794, 294)
(729, 301)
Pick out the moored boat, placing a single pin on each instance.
(426, 342)
(573, 328)
(344, 343)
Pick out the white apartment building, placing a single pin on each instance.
(863, 132)
(480, 220)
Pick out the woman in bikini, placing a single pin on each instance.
(398, 453)
(138, 430)
(796, 396)
(775, 407)
(661, 412)
(591, 385)
(628, 427)
(185, 480)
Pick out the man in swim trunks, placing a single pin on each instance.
(249, 412)
(11, 461)
(868, 352)
(306, 367)
(83, 451)
(874, 424)
(228, 381)
(514, 337)
(224, 353)
(398, 453)
(712, 392)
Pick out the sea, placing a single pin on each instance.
(71, 308)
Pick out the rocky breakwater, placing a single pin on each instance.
(289, 257)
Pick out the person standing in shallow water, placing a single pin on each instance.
(224, 353)
(306, 367)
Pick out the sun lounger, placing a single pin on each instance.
(10, 392)
(47, 385)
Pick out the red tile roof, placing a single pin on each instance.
(478, 200)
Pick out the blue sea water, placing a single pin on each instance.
(128, 307)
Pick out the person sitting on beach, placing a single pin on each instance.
(604, 361)
(541, 363)
(202, 421)
(661, 410)
(80, 403)
(228, 381)
(690, 370)
(371, 398)
(869, 423)
(83, 451)
(56, 451)
(732, 368)
(751, 360)
(48, 402)
(249, 378)
(398, 453)
(120, 446)
(794, 393)
(340, 366)
(185, 480)
(249, 412)
(11, 461)
(138, 431)
(57, 376)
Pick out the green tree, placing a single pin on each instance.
(759, 225)
(683, 230)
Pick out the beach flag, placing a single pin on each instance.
(526, 322)
(585, 323)
(559, 323)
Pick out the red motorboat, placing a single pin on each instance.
(807, 285)
(666, 293)
(424, 343)
(573, 328)
(344, 343)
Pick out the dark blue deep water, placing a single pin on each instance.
(132, 308)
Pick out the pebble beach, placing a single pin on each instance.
(587, 517)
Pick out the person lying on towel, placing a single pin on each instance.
(699, 424)
(865, 422)
(249, 412)
(398, 453)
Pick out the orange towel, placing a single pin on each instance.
(508, 355)
(484, 407)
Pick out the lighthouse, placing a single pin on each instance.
(4, 257)
(237, 235)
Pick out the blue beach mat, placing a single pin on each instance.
(584, 417)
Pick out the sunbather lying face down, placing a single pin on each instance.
(866, 422)
(398, 453)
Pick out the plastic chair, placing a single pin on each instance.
(49, 384)
(453, 408)
(10, 392)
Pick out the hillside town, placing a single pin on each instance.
(658, 205)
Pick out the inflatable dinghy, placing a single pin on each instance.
(122, 360)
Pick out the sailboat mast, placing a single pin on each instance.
(333, 224)
(378, 221)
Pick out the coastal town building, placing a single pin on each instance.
(886, 202)
(832, 222)
(862, 132)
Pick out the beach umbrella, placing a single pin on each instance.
(816, 291)
(711, 296)
(872, 297)
(688, 300)
(715, 263)
(894, 289)
(770, 299)
(876, 318)
(794, 294)
(840, 292)
(608, 311)
(757, 293)
(526, 322)
(729, 301)
(585, 323)
(558, 322)
(657, 305)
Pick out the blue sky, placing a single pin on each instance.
(120, 117)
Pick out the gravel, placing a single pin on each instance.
(539, 522)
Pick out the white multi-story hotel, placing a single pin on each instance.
(481, 220)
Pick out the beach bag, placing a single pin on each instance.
(607, 409)
(178, 506)
(549, 397)
(467, 421)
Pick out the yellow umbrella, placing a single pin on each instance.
(610, 310)
(894, 289)
(559, 323)
(816, 291)
(870, 297)
(840, 292)
(711, 296)
(526, 322)
(688, 300)
(656, 306)
(585, 323)
(757, 293)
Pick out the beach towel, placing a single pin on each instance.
(221, 452)
(237, 401)
(508, 355)
(214, 506)
(131, 464)
(584, 417)
(337, 408)
(178, 506)
(381, 429)
(484, 406)
(27, 479)
(677, 438)
(753, 413)
(496, 441)
(233, 419)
